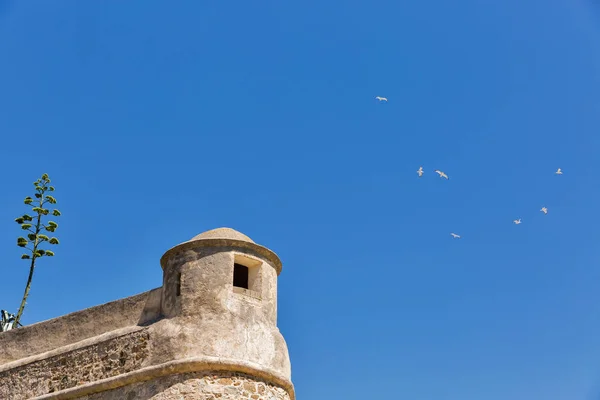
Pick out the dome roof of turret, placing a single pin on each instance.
(223, 233)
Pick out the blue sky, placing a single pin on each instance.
(157, 121)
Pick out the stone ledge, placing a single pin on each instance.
(247, 292)
(172, 368)
(69, 348)
(225, 243)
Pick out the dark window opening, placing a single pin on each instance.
(240, 276)
(178, 284)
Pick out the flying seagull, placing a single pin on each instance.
(455, 236)
(544, 210)
(420, 171)
(559, 172)
(441, 174)
(517, 221)
(381, 98)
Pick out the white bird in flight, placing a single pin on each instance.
(441, 174)
(544, 210)
(559, 172)
(517, 221)
(381, 98)
(420, 172)
(455, 236)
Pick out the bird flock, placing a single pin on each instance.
(443, 175)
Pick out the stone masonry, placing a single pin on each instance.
(210, 332)
(98, 361)
(198, 386)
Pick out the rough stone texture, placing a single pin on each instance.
(102, 360)
(197, 386)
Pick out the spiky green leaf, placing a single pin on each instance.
(56, 213)
(53, 241)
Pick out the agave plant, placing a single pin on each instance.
(36, 237)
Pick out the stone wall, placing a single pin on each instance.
(55, 333)
(197, 386)
(88, 364)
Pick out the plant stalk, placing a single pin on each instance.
(31, 268)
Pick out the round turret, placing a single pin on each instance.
(221, 289)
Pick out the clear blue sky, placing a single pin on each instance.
(158, 120)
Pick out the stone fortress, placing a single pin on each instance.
(210, 332)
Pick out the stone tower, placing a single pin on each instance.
(221, 288)
(210, 332)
